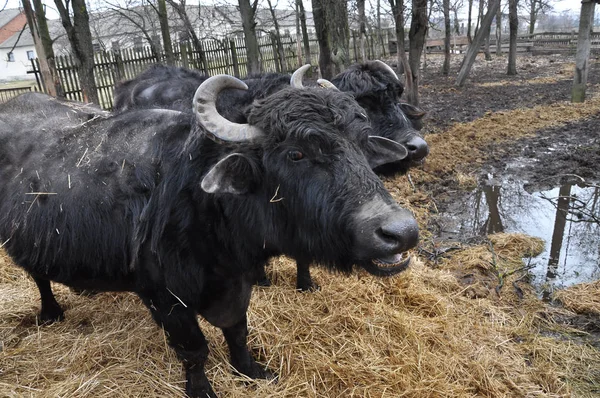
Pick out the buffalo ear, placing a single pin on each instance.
(411, 111)
(383, 151)
(233, 174)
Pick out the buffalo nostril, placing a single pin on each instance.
(417, 148)
(402, 234)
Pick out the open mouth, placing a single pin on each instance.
(388, 266)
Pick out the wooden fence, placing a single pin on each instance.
(216, 56)
(537, 43)
(8, 93)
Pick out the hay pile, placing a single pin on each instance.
(468, 326)
(419, 334)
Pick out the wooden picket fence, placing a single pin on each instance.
(8, 93)
(216, 56)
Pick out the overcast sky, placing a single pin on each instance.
(559, 5)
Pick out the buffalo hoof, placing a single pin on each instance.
(51, 315)
(255, 371)
(309, 286)
(199, 391)
(198, 386)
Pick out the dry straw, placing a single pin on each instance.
(469, 327)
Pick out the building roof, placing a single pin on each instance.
(8, 15)
(26, 40)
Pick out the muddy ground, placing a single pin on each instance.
(573, 148)
(550, 156)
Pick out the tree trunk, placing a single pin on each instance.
(325, 62)
(479, 16)
(456, 22)
(403, 66)
(446, 66)
(362, 28)
(337, 21)
(418, 31)
(486, 47)
(379, 34)
(499, 30)
(80, 37)
(532, 16)
(513, 19)
(181, 11)
(333, 35)
(249, 26)
(583, 51)
(469, 21)
(476, 44)
(43, 46)
(305, 37)
(279, 45)
(164, 30)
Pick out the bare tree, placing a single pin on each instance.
(488, 54)
(137, 15)
(474, 47)
(499, 30)
(80, 37)
(586, 23)
(248, 14)
(165, 32)
(513, 20)
(362, 30)
(469, 22)
(333, 35)
(535, 8)
(416, 36)
(455, 8)
(280, 58)
(403, 65)
(305, 38)
(180, 9)
(43, 45)
(448, 33)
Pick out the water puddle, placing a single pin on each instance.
(566, 217)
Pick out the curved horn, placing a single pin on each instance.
(206, 111)
(386, 67)
(327, 84)
(298, 75)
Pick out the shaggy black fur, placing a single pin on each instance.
(115, 203)
(379, 92)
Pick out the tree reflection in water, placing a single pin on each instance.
(567, 218)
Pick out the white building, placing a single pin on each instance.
(16, 46)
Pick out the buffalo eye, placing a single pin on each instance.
(295, 155)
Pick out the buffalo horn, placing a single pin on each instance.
(327, 84)
(386, 67)
(298, 75)
(206, 111)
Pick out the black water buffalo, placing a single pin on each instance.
(378, 90)
(374, 84)
(184, 210)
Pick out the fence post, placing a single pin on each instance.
(183, 49)
(36, 70)
(354, 45)
(234, 59)
(276, 59)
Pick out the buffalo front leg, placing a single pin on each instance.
(241, 358)
(303, 280)
(185, 337)
(51, 311)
